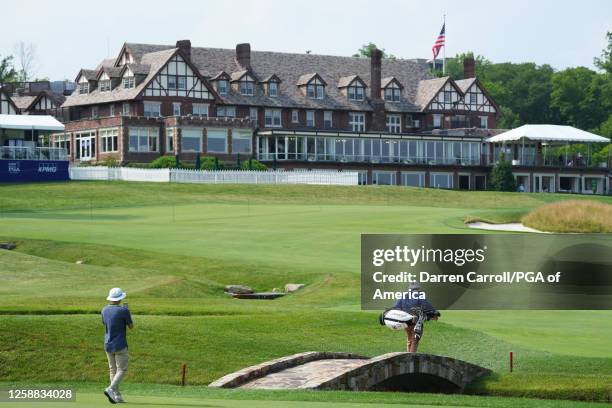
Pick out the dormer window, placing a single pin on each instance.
(129, 82)
(273, 89)
(222, 86)
(355, 92)
(392, 89)
(104, 85)
(83, 88)
(247, 86)
(393, 93)
(315, 89)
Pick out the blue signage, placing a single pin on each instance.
(21, 171)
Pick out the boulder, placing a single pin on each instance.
(293, 287)
(238, 289)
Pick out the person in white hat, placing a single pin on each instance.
(116, 318)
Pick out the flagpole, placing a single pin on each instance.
(444, 50)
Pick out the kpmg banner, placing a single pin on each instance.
(471, 271)
(33, 170)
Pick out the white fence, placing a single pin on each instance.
(344, 178)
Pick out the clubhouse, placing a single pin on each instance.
(390, 120)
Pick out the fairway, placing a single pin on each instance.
(173, 248)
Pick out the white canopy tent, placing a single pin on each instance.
(548, 133)
(30, 122)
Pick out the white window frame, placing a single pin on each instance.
(142, 132)
(357, 121)
(169, 140)
(111, 110)
(421, 176)
(129, 82)
(434, 175)
(253, 114)
(310, 118)
(104, 85)
(222, 86)
(355, 92)
(246, 87)
(109, 140)
(200, 109)
(315, 89)
(191, 133)
(328, 116)
(273, 118)
(176, 109)
(394, 123)
(295, 116)
(437, 120)
(377, 173)
(213, 131)
(126, 109)
(238, 134)
(152, 113)
(95, 113)
(273, 89)
(484, 122)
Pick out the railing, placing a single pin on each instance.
(455, 161)
(32, 153)
(215, 177)
(554, 161)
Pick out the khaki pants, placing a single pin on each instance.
(118, 365)
(411, 342)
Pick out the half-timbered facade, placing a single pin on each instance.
(391, 120)
(7, 106)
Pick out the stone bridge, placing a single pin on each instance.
(343, 371)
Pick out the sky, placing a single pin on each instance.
(69, 35)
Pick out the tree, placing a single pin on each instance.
(502, 178)
(605, 61)
(366, 51)
(7, 71)
(26, 60)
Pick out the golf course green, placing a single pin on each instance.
(173, 248)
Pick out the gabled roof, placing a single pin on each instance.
(465, 84)
(89, 74)
(112, 72)
(221, 75)
(271, 78)
(385, 82)
(137, 69)
(306, 78)
(155, 61)
(8, 98)
(23, 102)
(238, 75)
(348, 80)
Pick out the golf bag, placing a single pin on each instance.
(399, 320)
(396, 319)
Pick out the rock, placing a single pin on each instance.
(293, 287)
(238, 289)
(7, 245)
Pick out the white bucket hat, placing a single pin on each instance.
(115, 294)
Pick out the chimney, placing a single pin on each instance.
(469, 67)
(379, 119)
(243, 55)
(375, 73)
(185, 47)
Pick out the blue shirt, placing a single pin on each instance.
(406, 304)
(115, 318)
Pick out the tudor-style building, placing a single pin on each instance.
(389, 119)
(375, 115)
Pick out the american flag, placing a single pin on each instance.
(439, 42)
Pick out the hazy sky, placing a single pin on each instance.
(69, 35)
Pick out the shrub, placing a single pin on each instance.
(502, 178)
(571, 216)
(108, 162)
(255, 165)
(208, 163)
(164, 162)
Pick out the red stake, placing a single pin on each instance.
(511, 361)
(183, 373)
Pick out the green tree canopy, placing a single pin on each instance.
(7, 71)
(366, 51)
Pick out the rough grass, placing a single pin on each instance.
(571, 216)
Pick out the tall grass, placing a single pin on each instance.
(571, 216)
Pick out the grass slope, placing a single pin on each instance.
(174, 247)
